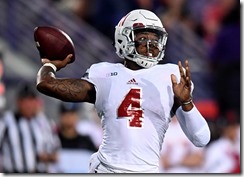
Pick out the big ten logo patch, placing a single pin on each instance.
(112, 74)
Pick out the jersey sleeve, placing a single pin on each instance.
(97, 75)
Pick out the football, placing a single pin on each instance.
(53, 43)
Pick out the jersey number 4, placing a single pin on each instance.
(131, 108)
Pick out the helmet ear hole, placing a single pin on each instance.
(120, 51)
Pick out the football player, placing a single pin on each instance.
(135, 100)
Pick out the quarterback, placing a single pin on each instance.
(135, 100)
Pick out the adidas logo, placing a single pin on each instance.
(132, 81)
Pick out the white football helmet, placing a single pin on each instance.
(125, 33)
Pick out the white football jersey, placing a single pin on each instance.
(135, 110)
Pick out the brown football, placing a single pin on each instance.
(53, 43)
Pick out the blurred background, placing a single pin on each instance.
(206, 32)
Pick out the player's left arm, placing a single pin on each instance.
(191, 121)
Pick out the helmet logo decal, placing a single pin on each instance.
(135, 25)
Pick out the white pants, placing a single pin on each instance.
(95, 165)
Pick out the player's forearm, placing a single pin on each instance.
(45, 81)
(64, 89)
(194, 126)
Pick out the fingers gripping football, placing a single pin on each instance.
(58, 63)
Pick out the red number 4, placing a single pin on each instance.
(131, 107)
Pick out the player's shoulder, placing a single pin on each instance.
(99, 69)
(167, 65)
(170, 67)
(102, 65)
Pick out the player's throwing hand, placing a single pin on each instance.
(58, 63)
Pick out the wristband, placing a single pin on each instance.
(51, 65)
(187, 102)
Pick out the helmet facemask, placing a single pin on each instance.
(148, 60)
